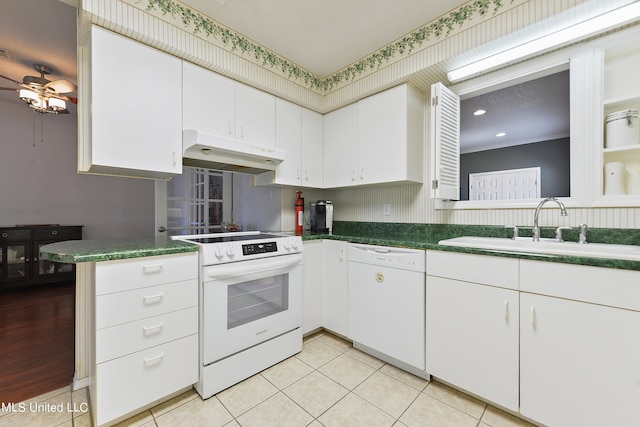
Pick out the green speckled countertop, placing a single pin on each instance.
(75, 251)
(417, 236)
(427, 236)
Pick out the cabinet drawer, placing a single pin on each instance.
(134, 336)
(61, 233)
(486, 270)
(127, 274)
(128, 383)
(15, 234)
(123, 307)
(598, 285)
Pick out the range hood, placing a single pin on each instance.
(227, 154)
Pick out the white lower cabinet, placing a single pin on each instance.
(579, 359)
(556, 342)
(325, 286)
(334, 286)
(145, 341)
(472, 326)
(312, 276)
(135, 380)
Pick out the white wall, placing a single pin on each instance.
(40, 185)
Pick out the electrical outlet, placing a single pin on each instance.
(386, 209)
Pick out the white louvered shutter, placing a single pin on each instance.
(445, 142)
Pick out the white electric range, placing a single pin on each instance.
(250, 304)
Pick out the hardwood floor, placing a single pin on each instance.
(36, 340)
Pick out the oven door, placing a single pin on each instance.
(249, 302)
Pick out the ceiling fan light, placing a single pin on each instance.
(56, 104)
(29, 96)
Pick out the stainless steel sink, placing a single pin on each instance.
(547, 246)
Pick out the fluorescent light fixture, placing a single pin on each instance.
(479, 112)
(575, 32)
(501, 134)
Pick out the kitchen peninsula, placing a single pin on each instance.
(124, 287)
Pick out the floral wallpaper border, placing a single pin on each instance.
(404, 46)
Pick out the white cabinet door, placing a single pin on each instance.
(255, 116)
(312, 163)
(580, 363)
(136, 109)
(334, 286)
(312, 306)
(208, 101)
(341, 147)
(288, 134)
(472, 338)
(389, 136)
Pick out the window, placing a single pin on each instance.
(197, 202)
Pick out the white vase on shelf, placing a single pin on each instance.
(614, 179)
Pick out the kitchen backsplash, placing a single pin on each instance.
(412, 204)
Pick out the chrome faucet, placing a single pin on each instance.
(536, 228)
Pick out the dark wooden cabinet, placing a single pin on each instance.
(20, 263)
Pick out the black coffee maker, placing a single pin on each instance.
(321, 216)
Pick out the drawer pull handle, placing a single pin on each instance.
(151, 359)
(533, 317)
(154, 268)
(506, 311)
(156, 297)
(156, 328)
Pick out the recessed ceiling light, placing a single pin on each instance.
(479, 112)
(501, 134)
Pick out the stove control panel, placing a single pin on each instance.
(259, 248)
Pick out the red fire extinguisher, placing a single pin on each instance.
(299, 214)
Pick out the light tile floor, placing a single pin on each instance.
(329, 383)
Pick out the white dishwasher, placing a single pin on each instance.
(386, 304)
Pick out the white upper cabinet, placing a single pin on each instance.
(208, 101)
(312, 162)
(379, 140)
(131, 118)
(445, 143)
(288, 134)
(255, 116)
(299, 133)
(341, 147)
(390, 136)
(220, 106)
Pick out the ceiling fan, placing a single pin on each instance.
(43, 95)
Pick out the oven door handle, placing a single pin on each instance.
(258, 266)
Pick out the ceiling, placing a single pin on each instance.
(323, 36)
(533, 111)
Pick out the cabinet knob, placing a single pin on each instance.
(54, 232)
(5, 234)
